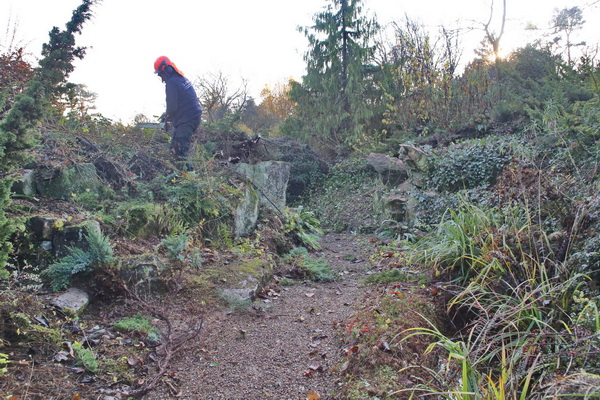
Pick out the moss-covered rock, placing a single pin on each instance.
(246, 212)
(67, 182)
(235, 282)
(270, 179)
(142, 273)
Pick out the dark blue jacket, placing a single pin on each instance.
(182, 101)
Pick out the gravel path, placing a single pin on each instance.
(285, 347)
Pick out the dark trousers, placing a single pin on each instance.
(182, 138)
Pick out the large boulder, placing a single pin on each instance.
(392, 170)
(417, 162)
(270, 178)
(245, 214)
(245, 280)
(415, 157)
(65, 236)
(398, 204)
(24, 183)
(42, 228)
(142, 273)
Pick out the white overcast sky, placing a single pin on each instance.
(252, 39)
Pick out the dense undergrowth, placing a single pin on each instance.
(489, 291)
(511, 245)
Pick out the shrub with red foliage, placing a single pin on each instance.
(15, 72)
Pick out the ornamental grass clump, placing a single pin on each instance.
(528, 316)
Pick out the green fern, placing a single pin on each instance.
(100, 249)
(85, 357)
(304, 226)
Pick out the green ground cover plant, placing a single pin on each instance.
(85, 357)
(138, 324)
(307, 267)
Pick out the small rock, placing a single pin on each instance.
(73, 301)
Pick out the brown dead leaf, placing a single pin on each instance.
(76, 396)
(313, 396)
(134, 362)
(351, 350)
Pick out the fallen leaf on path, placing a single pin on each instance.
(133, 361)
(313, 396)
(384, 346)
(310, 294)
(61, 356)
(351, 350)
(345, 366)
(316, 366)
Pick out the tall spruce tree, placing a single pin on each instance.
(333, 96)
(16, 126)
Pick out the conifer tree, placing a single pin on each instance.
(333, 96)
(16, 126)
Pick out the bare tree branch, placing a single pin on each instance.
(491, 36)
(217, 98)
(172, 340)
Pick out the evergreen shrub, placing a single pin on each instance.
(469, 164)
(100, 254)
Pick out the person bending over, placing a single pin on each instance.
(183, 108)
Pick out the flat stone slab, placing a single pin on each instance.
(73, 301)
